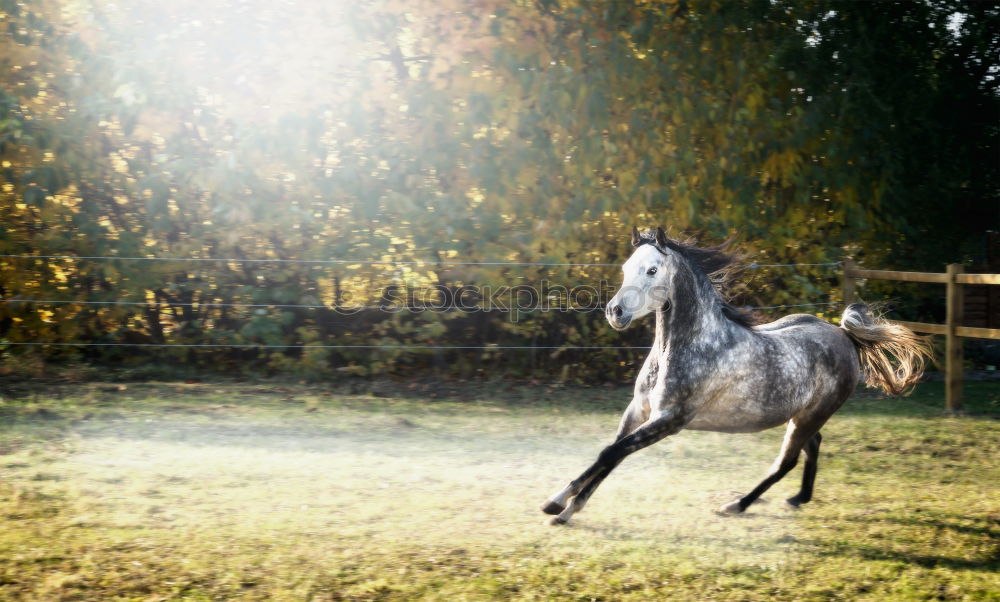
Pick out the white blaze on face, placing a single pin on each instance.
(644, 286)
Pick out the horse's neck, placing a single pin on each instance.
(661, 337)
(695, 311)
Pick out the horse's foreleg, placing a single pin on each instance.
(580, 500)
(809, 472)
(557, 503)
(650, 432)
(635, 415)
(795, 438)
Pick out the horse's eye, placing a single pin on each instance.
(651, 271)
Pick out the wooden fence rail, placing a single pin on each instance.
(952, 329)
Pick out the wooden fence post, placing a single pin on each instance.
(953, 343)
(848, 282)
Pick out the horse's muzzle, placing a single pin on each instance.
(617, 317)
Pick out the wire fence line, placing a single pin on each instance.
(754, 266)
(268, 346)
(373, 262)
(310, 261)
(385, 307)
(360, 347)
(382, 307)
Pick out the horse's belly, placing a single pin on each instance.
(743, 417)
(733, 424)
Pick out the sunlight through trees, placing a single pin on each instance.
(438, 131)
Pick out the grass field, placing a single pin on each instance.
(214, 491)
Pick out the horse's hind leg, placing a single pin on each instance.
(809, 472)
(795, 438)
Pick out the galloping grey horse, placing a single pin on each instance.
(711, 369)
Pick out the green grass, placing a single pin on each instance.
(166, 491)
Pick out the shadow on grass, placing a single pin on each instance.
(944, 522)
(988, 562)
(929, 561)
(980, 400)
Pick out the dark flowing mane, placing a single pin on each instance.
(718, 263)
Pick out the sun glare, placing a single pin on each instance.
(246, 60)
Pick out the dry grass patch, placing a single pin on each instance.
(206, 492)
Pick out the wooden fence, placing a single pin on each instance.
(952, 329)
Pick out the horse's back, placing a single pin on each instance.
(790, 321)
(811, 343)
(796, 364)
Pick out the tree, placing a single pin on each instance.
(408, 136)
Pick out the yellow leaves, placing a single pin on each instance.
(58, 273)
(754, 98)
(327, 291)
(781, 167)
(476, 196)
(68, 199)
(118, 163)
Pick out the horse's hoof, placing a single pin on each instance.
(551, 507)
(558, 520)
(733, 507)
(795, 502)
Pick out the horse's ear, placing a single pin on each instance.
(661, 237)
(635, 236)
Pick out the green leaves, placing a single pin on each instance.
(537, 131)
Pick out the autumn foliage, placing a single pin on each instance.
(409, 139)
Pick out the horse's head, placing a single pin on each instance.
(646, 279)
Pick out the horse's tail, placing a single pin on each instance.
(892, 357)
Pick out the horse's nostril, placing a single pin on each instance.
(617, 310)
